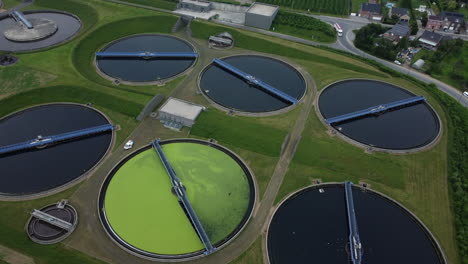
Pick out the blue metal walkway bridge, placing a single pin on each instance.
(20, 18)
(354, 241)
(254, 81)
(182, 195)
(147, 55)
(42, 141)
(375, 109)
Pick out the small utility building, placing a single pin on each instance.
(176, 113)
(261, 15)
(195, 5)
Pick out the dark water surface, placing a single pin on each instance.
(67, 25)
(146, 70)
(312, 227)
(405, 128)
(233, 92)
(38, 170)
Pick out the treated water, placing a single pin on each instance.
(405, 128)
(312, 227)
(141, 69)
(67, 25)
(38, 170)
(233, 92)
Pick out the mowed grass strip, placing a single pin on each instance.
(163, 4)
(143, 211)
(74, 94)
(217, 187)
(240, 132)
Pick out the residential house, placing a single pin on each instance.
(398, 32)
(447, 21)
(371, 11)
(402, 13)
(431, 40)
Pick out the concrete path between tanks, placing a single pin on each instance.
(258, 223)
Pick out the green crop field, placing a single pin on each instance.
(142, 209)
(336, 7)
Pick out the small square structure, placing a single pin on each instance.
(261, 15)
(176, 113)
(195, 5)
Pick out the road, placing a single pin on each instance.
(346, 43)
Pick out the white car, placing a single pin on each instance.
(397, 62)
(129, 144)
(465, 94)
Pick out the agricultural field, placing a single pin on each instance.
(304, 27)
(334, 7)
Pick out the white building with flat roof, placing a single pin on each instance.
(261, 15)
(176, 113)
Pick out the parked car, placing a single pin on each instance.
(465, 94)
(397, 62)
(128, 145)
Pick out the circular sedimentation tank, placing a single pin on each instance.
(43, 28)
(312, 226)
(404, 129)
(232, 92)
(43, 232)
(50, 28)
(145, 70)
(141, 213)
(43, 170)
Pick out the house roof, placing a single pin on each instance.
(374, 8)
(450, 16)
(400, 29)
(399, 11)
(431, 38)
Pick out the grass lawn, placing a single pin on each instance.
(446, 66)
(356, 5)
(12, 234)
(7, 4)
(253, 255)
(163, 4)
(313, 35)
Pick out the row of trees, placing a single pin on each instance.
(449, 50)
(450, 5)
(338, 7)
(368, 39)
(304, 22)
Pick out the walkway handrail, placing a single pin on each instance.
(182, 195)
(45, 140)
(146, 54)
(19, 17)
(252, 80)
(354, 241)
(375, 109)
(52, 220)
